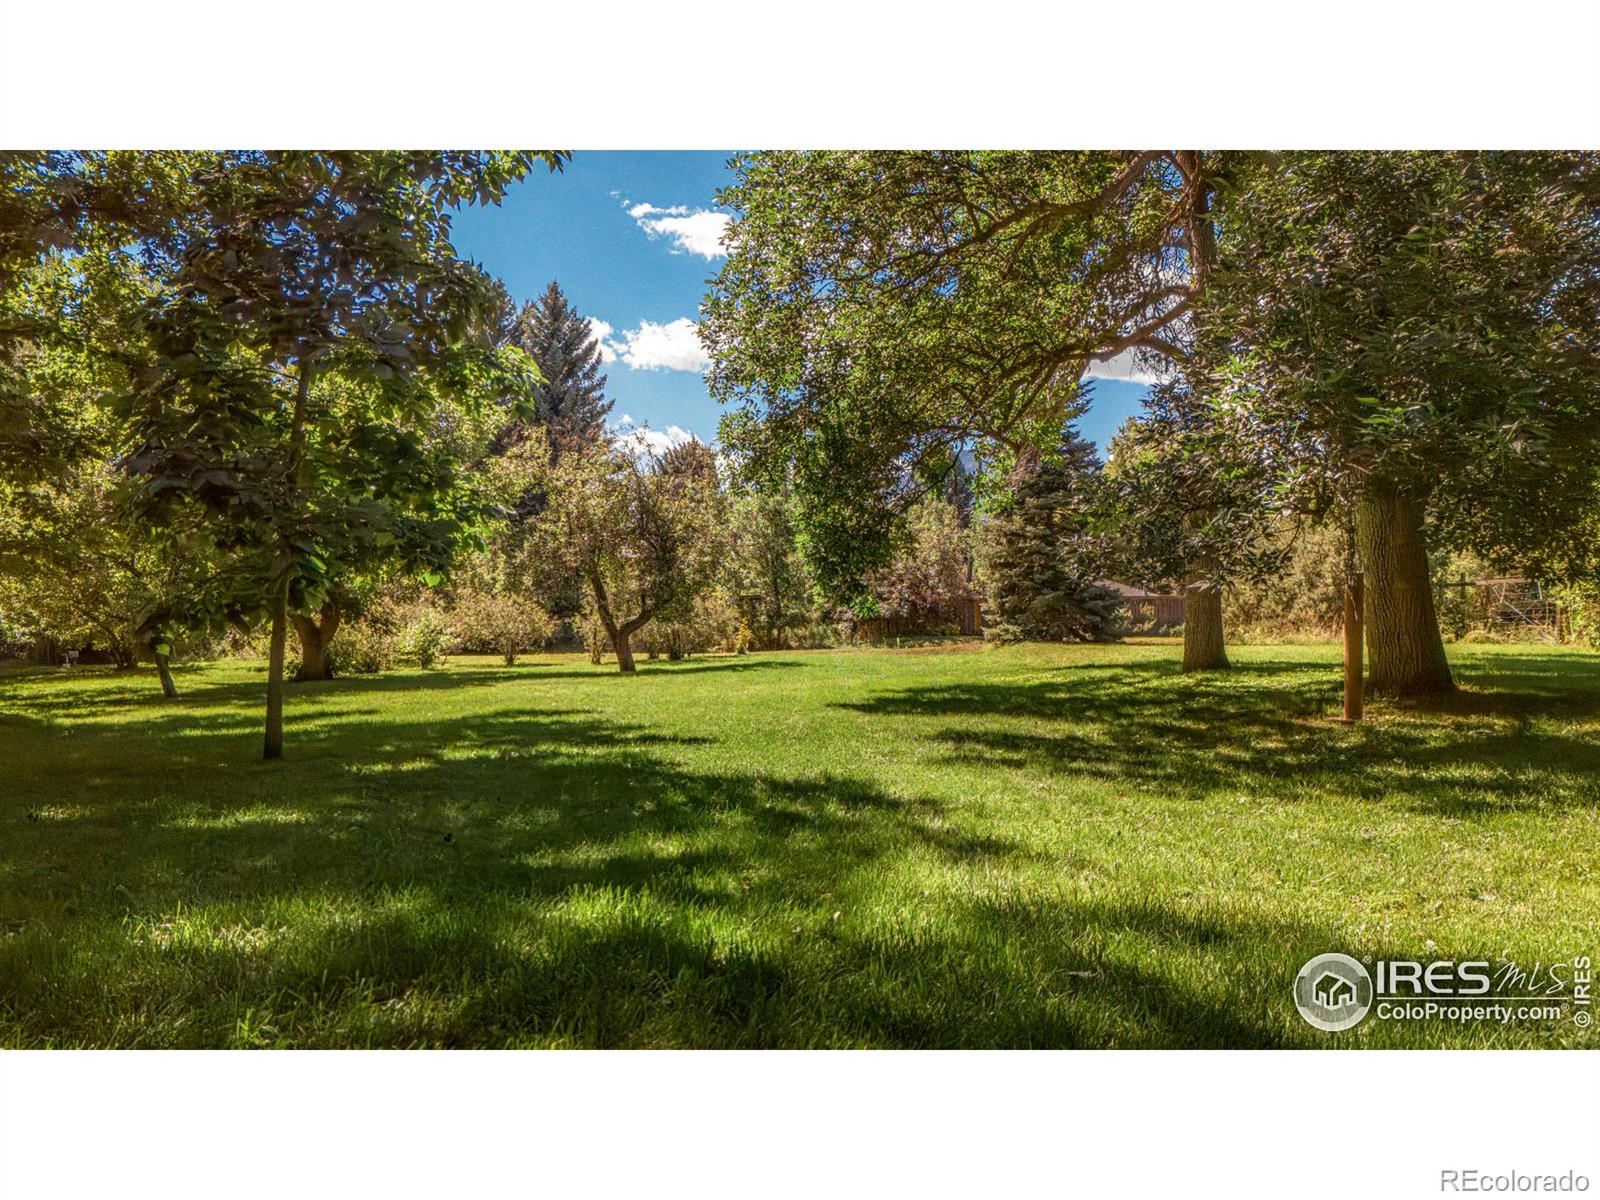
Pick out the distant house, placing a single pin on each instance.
(1164, 610)
(1334, 991)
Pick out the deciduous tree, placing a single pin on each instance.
(879, 310)
(645, 540)
(313, 319)
(1422, 329)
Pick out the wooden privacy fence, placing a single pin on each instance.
(966, 619)
(1152, 609)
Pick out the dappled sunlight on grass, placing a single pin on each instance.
(1066, 846)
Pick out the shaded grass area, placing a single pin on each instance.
(1036, 846)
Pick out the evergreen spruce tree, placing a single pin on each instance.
(1039, 558)
(571, 402)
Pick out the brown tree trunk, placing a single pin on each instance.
(169, 689)
(1203, 648)
(1354, 602)
(620, 635)
(622, 641)
(273, 744)
(315, 638)
(1405, 654)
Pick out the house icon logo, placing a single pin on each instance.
(1333, 992)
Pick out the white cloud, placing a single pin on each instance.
(642, 439)
(698, 232)
(672, 346)
(639, 211)
(602, 332)
(1124, 366)
(653, 345)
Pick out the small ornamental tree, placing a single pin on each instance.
(1039, 556)
(765, 574)
(645, 540)
(71, 569)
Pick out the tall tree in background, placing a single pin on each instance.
(1187, 500)
(570, 401)
(765, 573)
(1039, 554)
(1422, 332)
(312, 323)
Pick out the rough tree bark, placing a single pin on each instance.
(1203, 647)
(622, 643)
(620, 632)
(315, 634)
(1405, 653)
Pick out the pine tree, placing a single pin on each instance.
(1039, 558)
(571, 402)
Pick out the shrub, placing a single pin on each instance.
(1302, 598)
(1581, 604)
(498, 623)
(710, 622)
(361, 647)
(927, 582)
(422, 640)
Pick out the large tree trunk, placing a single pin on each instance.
(1405, 654)
(273, 745)
(315, 638)
(1203, 648)
(169, 689)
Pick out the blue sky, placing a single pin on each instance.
(631, 237)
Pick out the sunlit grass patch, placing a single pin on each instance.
(1041, 846)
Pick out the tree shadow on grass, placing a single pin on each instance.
(550, 876)
(643, 966)
(1267, 729)
(401, 858)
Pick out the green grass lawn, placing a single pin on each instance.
(1035, 846)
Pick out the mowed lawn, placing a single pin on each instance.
(1028, 847)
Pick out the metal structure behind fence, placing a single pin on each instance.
(1502, 604)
